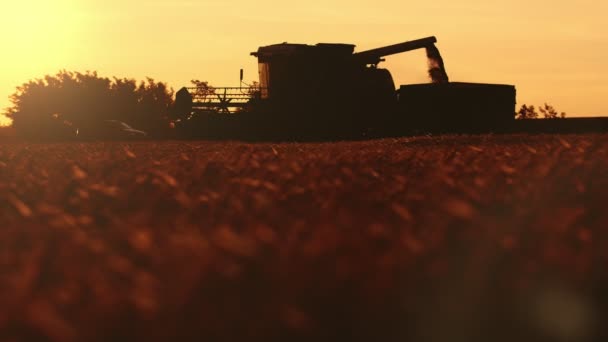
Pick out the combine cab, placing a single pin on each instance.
(327, 91)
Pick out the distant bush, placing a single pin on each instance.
(56, 106)
(548, 112)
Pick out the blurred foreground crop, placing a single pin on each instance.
(414, 239)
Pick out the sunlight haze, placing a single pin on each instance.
(551, 51)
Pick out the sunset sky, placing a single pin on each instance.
(552, 51)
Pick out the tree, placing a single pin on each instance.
(526, 112)
(529, 112)
(254, 93)
(154, 99)
(253, 89)
(56, 106)
(550, 113)
(202, 90)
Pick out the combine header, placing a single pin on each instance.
(327, 91)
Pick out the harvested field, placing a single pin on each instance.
(469, 238)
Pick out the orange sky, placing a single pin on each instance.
(552, 51)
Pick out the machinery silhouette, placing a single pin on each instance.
(327, 91)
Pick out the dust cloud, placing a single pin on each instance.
(437, 71)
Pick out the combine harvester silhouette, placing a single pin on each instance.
(329, 92)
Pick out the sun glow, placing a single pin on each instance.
(39, 32)
(552, 51)
(38, 37)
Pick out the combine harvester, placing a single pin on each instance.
(328, 92)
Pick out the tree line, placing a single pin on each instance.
(71, 103)
(58, 105)
(547, 110)
(76, 105)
